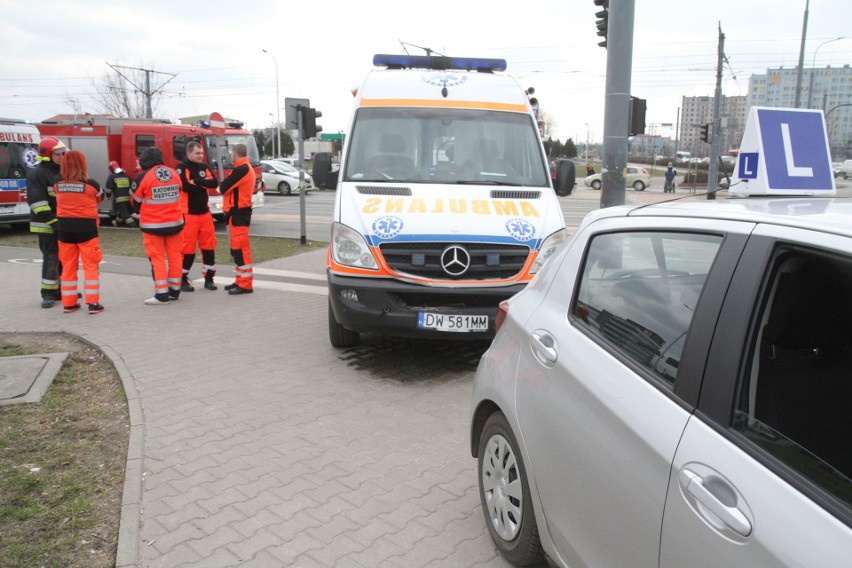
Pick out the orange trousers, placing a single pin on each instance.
(166, 258)
(198, 230)
(70, 255)
(241, 251)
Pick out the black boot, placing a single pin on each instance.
(209, 284)
(185, 286)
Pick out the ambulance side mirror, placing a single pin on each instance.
(566, 178)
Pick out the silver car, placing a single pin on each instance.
(675, 389)
(283, 177)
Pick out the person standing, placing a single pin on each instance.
(118, 183)
(671, 174)
(77, 198)
(237, 189)
(42, 202)
(156, 194)
(198, 231)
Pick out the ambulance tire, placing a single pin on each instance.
(338, 335)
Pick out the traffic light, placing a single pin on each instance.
(705, 132)
(637, 116)
(603, 20)
(309, 122)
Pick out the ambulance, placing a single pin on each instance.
(18, 155)
(445, 205)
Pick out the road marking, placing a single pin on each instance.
(319, 289)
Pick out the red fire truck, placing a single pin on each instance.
(106, 138)
(18, 152)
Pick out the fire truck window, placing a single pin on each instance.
(144, 141)
(179, 146)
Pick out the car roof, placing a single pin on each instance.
(822, 214)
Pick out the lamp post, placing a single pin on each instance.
(587, 143)
(277, 106)
(272, 120)
(813, 64)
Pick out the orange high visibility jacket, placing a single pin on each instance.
(238, 187)
(157, 196)
(77, 210)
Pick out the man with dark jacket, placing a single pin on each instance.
(42, 201)
(118, 184)
(198, 231)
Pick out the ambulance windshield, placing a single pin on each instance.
(438, 145)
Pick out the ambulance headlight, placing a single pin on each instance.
(350, 249)
(548, 247)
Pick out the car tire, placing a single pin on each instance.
(596, 184)
(638, 185)
(284, 188)
(505, 494)
(338, 335)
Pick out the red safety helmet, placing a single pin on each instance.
(114, 167)
(48, 145)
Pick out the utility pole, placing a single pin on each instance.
(146, 90)
(717, 123)
(801, 58)
(619, 67)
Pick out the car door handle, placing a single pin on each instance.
(544, 346)
(695, 485)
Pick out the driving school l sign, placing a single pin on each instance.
(784, 152)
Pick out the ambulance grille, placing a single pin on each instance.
(382, 190)
(488, 261)
(514, 194)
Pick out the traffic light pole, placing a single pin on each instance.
(303, 239)
(716, 127)
(619, 67)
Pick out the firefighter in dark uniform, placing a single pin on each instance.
(42, 201)
(118, 184)
(198, 231)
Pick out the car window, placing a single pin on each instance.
(794, 401)
(639, 290)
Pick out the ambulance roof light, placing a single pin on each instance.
(436, 62)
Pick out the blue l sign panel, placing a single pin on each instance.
(748, 163)
(795, 150)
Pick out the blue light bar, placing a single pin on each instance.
(438, 63)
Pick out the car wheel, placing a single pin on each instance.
(505, 494)
(338, 335)
(596, 184)
(284, 188)
(639, 185)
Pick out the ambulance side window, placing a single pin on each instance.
(144, 141)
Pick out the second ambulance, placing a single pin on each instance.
(444, 203)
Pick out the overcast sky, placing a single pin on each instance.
(56, 50)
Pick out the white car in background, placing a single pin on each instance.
(282, 177)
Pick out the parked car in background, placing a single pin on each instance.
(282, 177)
(837, 169)
(637, 178)
(846, 167)
(673, 389)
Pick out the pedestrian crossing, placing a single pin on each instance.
(281, 280)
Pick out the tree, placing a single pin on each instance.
(570, 149)
(127, 92)
(264, 142)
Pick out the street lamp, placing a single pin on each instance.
(277, 106)
(587, 144)
(813, 64)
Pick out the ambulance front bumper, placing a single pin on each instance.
(390, 307)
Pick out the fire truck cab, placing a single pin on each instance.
(103, 139)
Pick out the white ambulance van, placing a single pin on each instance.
(444, 203)
(18, 155)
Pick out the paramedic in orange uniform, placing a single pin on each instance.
(196, 178)
(156, 194)
(237, 190)
(77, 199)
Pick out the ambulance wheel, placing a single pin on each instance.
(338, 335)
(284, 188)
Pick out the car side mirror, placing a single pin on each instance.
(566, 178)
